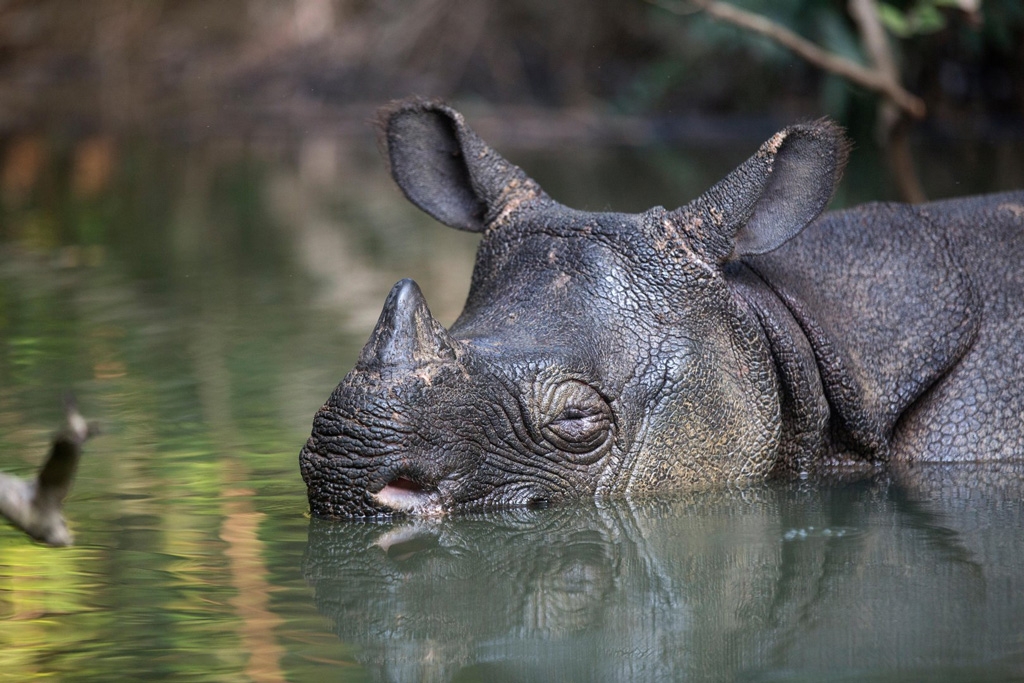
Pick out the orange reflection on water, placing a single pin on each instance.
(249, 577)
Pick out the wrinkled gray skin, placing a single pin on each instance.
(602, 354)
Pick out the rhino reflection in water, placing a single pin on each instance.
(879, 578)
(602, 353)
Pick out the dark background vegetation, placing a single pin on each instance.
(620, 70)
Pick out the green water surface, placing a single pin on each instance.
(203, 299)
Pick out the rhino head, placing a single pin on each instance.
(598, 353)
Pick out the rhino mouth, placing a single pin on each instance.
(402, 494)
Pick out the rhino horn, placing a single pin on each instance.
(406, 335)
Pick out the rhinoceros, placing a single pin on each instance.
(742, 336)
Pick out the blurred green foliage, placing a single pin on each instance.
(967, 66)
(207, 67)
(923, 17)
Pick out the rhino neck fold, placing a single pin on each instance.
(804, 410)
(886, 308)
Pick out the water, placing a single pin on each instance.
(202, 300)
(865, 580)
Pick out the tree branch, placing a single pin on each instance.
(892, 128)
(865, 15)
(872, 79)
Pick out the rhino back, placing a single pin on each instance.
(914, 316)
(976, 411)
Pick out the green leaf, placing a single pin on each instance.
(927, 19)
(894, 20)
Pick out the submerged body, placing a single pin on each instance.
(600, 354)
(915, 318)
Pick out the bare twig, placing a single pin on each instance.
(892, 124)
(876, 43)
(901, 163)
(871, 79)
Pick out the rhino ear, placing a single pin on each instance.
(770, 197)
(445, 169)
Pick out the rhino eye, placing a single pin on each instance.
(578, 420)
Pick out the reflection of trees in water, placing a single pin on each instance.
(875, 576)
(169, 287)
